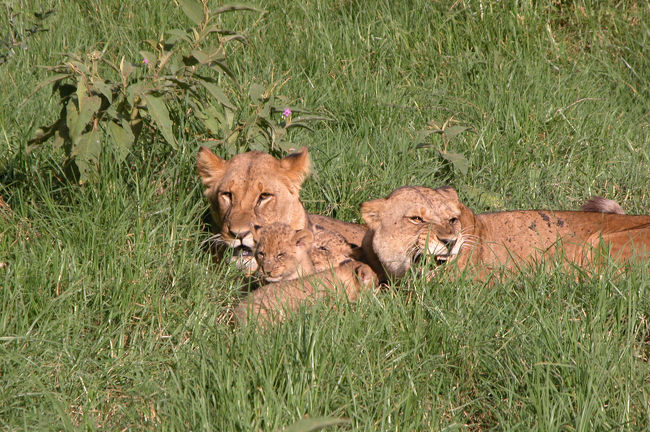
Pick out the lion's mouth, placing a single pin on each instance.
(242, 251)
(450, 249)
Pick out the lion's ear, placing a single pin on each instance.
(211, 167)
(366, 275)
(448, 192)
(304, 237)
(297, 166)
(371, 212)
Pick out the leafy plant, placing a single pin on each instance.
(447, 133)
(185, 69)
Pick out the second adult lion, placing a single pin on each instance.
(415, 221)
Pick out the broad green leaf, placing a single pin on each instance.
(218, 94)
(88, 106)
(134, 92)
(193, 9)
(230, 119)
(294, 124)
(451, 132)
(79, 66)
(103, 88)
(160, 115)
(422, 135)
(122, 138)
(71, 118)
(221, 66)
(235, 37)
(265, 112)
(256, 92)
(176, 35)
(457, 160)
(316, 423)
(235, 7)
(86, 155)
(200, 56)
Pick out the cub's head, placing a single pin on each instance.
(282, 253)
(252, 189)
(330, 249)
(414, 221)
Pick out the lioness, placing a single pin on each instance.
(413, 221)
(273, 302)
(256, 188)
(282, 253)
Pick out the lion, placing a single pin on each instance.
(273, 302)
(414, 221)
(254, 188)
(282, 253)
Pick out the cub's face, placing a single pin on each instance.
(411, 222)
(281, 252)
(252, 189)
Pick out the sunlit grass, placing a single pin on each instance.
(112, 315)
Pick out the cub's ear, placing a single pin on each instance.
(211, 167)
(366, 275)
(448, 192)
(371, 212)
(304, 237)
(297, 166)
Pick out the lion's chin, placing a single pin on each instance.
(272, 279)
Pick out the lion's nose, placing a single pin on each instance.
(449, 243)
(239, 234)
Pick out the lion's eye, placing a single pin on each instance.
(260, 254)
(226, 195)
(263, 197)
(453, 220)
(416, 219)
(279, 256)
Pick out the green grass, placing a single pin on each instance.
(112, 316)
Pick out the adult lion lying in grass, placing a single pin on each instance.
(416, 221)
(256, 189)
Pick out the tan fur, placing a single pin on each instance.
(329, 249)
(283, 253)
(273, 302)
(257, 189)
(415, 221)
(602, 205)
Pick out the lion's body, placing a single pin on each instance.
(415, 221)
(256, 189)
(507, 239)
(273, 302)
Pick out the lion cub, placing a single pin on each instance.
(282, 253)
(273, 302)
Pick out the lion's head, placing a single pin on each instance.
(414, 221)
(281, 252)
(252, 189)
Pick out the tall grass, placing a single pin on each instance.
(112, 316)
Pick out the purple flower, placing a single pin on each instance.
(286, 113)
(145, 61)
